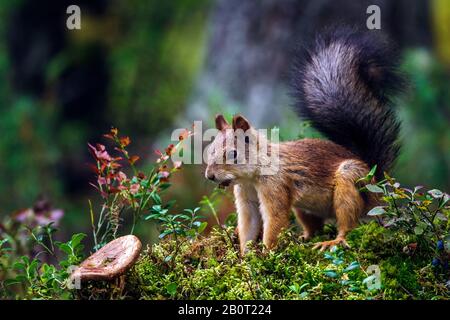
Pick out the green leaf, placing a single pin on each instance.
(191, 233)
(376, 211)
(303, 286)
(181, 216)
(156, 208)
(32, 268)
(19, 266)
(18, 279)
(294, 288)
(231, 220)
(202, 227)
(352, 266)
(25, 259)
(418, 230)
(152, 216)
(156, 198)
(165, 233)
(369, 279)
(145, 183)
(353, 289)
(76, 239)
(372, 172)
(172, 288)
(2, 242)
(330, 273)
(65, 248)
(374, 188)
(164, 186)
(328, 256)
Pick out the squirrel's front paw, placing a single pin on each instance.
(330, 244)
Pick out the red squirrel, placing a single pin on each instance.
(343, 87)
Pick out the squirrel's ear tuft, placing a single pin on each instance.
(221, 122)
(239, 122)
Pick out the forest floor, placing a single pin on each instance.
(378, 265)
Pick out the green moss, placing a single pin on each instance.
(210, 268)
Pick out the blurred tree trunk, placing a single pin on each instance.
(251, 47)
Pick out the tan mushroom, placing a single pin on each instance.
(111, 261)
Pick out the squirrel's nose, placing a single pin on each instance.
(210, 176)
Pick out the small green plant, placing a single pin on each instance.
(424, 215)
(210, 203)
(185, 224)
(138, 196)
(341, 271)
(40, 280)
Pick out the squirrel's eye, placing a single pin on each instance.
(232, 155)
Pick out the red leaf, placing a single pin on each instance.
(170, 149)
(114, 190)
(134, 188)
(125, 141)
(100, 147)
(133, 159)
(163, 176)
(120, 176)
(99, 152)
(141, 175)
(115, 165)
(103, 167)
(183, 135)
(102, 180)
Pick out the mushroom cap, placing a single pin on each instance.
(111, 261)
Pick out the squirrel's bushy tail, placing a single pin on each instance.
(343, 86)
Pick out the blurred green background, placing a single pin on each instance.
(151, 66)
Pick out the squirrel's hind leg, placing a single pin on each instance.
(348, 204)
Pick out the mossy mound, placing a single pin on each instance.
(210, 268)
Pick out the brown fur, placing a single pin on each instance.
(310, 223)
(316, 178)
